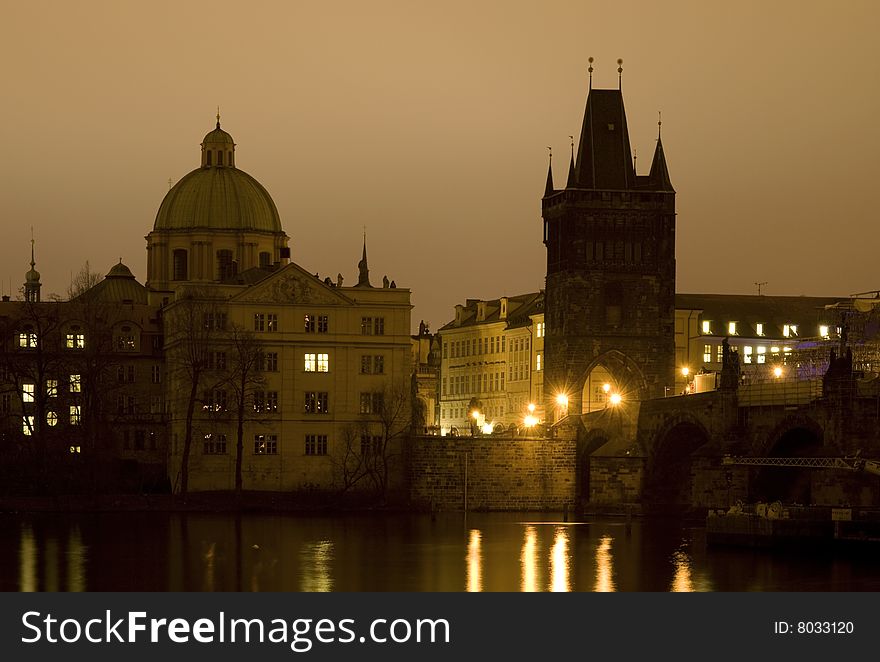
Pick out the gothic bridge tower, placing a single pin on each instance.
(610, 290)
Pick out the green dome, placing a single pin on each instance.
(218, 199)
(218, 135)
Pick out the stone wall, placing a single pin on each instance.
(502, 474)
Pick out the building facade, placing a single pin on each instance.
(492, 365)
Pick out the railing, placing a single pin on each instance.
(781, 392)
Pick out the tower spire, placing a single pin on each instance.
(571, 177)
(363, 269)
(590, 69)
(32, 277)
(548, 188)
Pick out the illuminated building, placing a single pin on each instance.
(493, 359)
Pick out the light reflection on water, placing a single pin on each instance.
(393, 552)
(474, 562)
(604, 566)
(529, 560)
(559, 561)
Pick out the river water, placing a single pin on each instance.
(396, 552)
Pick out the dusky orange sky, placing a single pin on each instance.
(428, 123)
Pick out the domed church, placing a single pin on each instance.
(216, 222)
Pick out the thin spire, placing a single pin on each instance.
(635, 160)
(548, 188)
(218, 117)
(363, 269)
(659, 123)
(590, 69)
(33, 262)
(571, 179)
(620, 73)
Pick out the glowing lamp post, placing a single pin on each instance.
(777, 372)
(615, 399)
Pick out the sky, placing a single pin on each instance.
(428, 123)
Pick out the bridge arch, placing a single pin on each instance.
(794, 436)
(591, 441)
(622, 375)
(668, 479)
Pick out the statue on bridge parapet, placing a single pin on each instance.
(730, 367)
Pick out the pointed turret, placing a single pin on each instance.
(604, 159)
(658, 179)
(363, 270)
(572, 180)
(548, 188)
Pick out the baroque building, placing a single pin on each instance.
(232, 367)
(610, 289)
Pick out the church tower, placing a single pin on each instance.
(610, 290)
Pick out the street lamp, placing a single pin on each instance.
(777, 372)
(531, 407)
(562, 400)
(615, 399)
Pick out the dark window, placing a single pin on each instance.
(316, 444)
(613, 303)
(265, 258)
(219, 157)
(208, 156)
(180, 267)
(226, 266)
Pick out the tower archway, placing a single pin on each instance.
(612, 374)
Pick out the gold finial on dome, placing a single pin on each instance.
(218, 117)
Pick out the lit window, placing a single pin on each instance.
(51, 388)
(538, 362)
(75, 384)
(823, 331)
(323, 363)
(720, 354)
(731, 328)
(27, 425)
(539, 330)
(27, 340)
(51, 419)
(310, 363)
(789, 330)
(27, 392)
(75, 414)
(76, 340)
(316, 444)
(774, 350)
(759, 329)
(707, 327)
(707, 353)
(125, 343)
(271, 322)
(747, 354)
(762, 355)
(76, 450)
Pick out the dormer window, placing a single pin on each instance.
(759, 329)
(824, 332)
(789, 330)
(707, 328)
(731, 328)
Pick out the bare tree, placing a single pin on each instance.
(245, 380)
(84, 280)
(372, 447)
(192, 325)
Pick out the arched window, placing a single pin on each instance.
(180, 271)
(219, 157)
(264, 259)
(208, 157)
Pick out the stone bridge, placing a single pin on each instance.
(667, 453)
